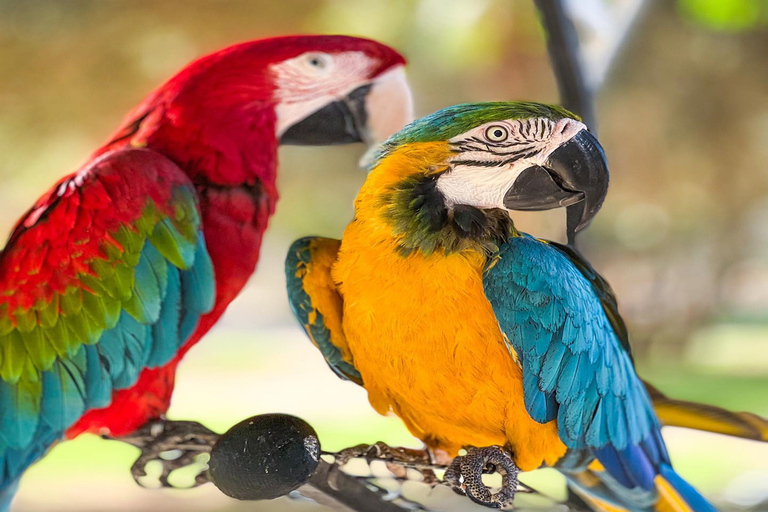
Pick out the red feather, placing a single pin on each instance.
(50, 246)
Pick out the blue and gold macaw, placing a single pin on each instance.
(474, 333)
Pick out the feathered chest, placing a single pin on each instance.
(414, 313)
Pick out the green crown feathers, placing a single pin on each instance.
(457, 119)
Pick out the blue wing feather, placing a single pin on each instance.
(307, 312)
(165, 332)
(16, 429)
(198, 288)
(133, 336)
(575, 369)
(199, 284)
(98, 385)
(146, 297)
(62, 401)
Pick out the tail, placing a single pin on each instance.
(6, 495)
(679, 493)
(679, 413)
(15, 461)
(601, 492)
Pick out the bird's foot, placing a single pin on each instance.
(175, 444)
(384, 452)
(465, 475)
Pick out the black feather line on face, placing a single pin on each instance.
(418, 214)
(496, 163)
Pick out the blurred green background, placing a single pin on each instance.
(683, 236)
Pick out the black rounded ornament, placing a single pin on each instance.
(264, 457)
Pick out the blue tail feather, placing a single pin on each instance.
(696, 501)
(7, 493)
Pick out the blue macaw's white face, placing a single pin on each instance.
(491, 157)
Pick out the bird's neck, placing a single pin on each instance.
(229, 151)
(401, 196)
(216, 145)
(232, 161)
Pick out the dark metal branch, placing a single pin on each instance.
(333, 488)
(563, 47)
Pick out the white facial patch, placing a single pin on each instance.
(309, 82)
(490, 158)
(482, 189)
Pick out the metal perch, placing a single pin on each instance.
(272, 455)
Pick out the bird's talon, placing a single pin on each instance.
(174, 444)
(465, 475)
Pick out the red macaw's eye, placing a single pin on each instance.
(318, 61)
(496, 133)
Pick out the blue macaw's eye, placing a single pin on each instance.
(496, 133)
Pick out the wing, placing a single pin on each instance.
(603, 290)
(575, 369)
(316, 302)
(669, 411)
(105, 276)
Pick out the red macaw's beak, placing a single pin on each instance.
(575, 176)
(370, 114)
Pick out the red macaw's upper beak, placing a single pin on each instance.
(370, 114)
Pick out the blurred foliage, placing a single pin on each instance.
(727, 15)
(683, 236)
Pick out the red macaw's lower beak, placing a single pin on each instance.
(576, 173)
(369, 114)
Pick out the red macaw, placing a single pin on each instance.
(110, 278)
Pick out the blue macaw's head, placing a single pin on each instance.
(512, 156)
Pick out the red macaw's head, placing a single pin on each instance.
(338, 89)
(307, 90)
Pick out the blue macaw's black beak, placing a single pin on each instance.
(576, 173)
(341, 122)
